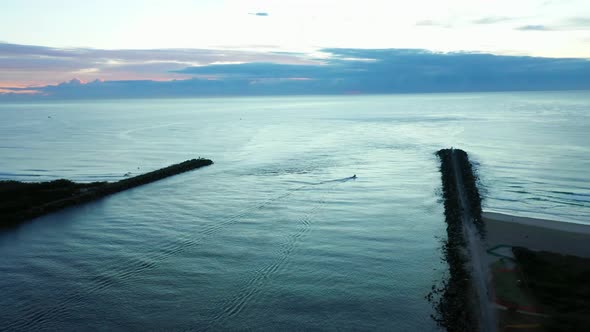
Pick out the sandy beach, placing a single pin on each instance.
(537, 234)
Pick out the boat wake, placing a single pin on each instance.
(128, 268)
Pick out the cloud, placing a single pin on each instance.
(431, 23)
(582, 23)
(388, 71)
(260, 70)
(534, 28)
(492, 20)
(38, 65)
(259, 14)
(426, 23)
(569, 24)
(17, 91)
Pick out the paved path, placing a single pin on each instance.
(476, 250)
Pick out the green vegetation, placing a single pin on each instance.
(560, 284)
(21, 201)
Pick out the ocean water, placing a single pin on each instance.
(275, 235)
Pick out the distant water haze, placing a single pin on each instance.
(275, 235)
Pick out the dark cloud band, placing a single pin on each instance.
(344, 70)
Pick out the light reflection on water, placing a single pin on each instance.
(264, 238)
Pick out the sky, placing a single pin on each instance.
(47, 42)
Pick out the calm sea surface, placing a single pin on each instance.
(274, 235)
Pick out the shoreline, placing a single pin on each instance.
(537, 234)
(563, 226)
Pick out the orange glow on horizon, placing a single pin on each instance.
(57, 79)
(19, 92)
(34, 87)
(18, 85)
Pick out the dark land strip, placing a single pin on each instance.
(22, 201)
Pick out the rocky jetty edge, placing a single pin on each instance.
(22, 201)
(454, 299)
